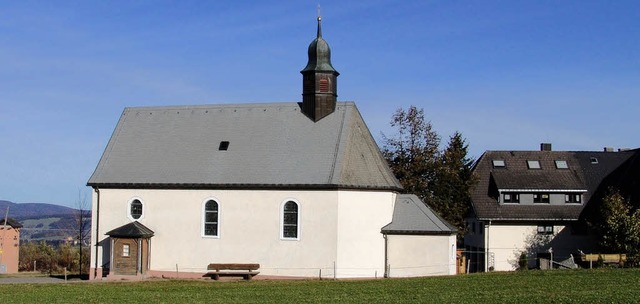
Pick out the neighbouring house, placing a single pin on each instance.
(299, 188)
(9, 245)
(540, 203)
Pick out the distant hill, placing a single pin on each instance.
(34, 210)
(45, 222)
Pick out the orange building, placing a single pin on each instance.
(9, 245)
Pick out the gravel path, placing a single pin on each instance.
(32, 280)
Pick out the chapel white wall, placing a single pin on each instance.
(338, 229)
(421, 255)
(361, 215)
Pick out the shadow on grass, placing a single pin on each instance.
(75, 277)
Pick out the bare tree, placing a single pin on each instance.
(83, 226)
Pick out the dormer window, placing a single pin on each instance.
(562, 164)
(499, 163)
(511, 198)
(573, 198)
(541, 198)
(533, 164)
(594, 161)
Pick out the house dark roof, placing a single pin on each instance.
(586, 173)
(11, 222)
(412, 216)
(267, 146)
(131, 230)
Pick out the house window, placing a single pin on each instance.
(562, 164)
(136, 209)
(533, 164)
(499, 163)
(480, 227)
(512, 198)
(594, 160)
(125, 250)
(541, 198)
(572, 198)
(210, 218)
(545, 229)
(290, 217)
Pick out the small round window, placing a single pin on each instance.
(136, 209)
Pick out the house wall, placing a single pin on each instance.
(421, 255)
(335, 228)
(10, 251)
(507, 241)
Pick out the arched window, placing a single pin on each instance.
(290, 216)
(211, 218)
(135, 209)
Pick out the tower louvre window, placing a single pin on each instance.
(324, 85)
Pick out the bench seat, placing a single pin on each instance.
(247, 271)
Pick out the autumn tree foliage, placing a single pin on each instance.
(441, 178)
(619, 228)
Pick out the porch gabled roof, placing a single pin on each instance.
(131, 230)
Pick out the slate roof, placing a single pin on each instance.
(131, 230)
(269, 146)
(412, 216)
(582, 175)
(11, 222)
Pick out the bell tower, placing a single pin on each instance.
(319, 80)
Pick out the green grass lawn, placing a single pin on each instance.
(566, 286)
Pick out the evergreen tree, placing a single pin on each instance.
(455, 179)
(442, 179)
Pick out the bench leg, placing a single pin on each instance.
(215, 276)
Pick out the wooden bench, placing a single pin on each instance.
(247, 271)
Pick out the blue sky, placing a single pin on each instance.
(507, 74)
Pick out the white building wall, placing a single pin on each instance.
(421, 255)
(249, 230)
(507, 242)
(361, 215)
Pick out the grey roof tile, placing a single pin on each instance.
(270, 145)
(131, 230)
(412, 216)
